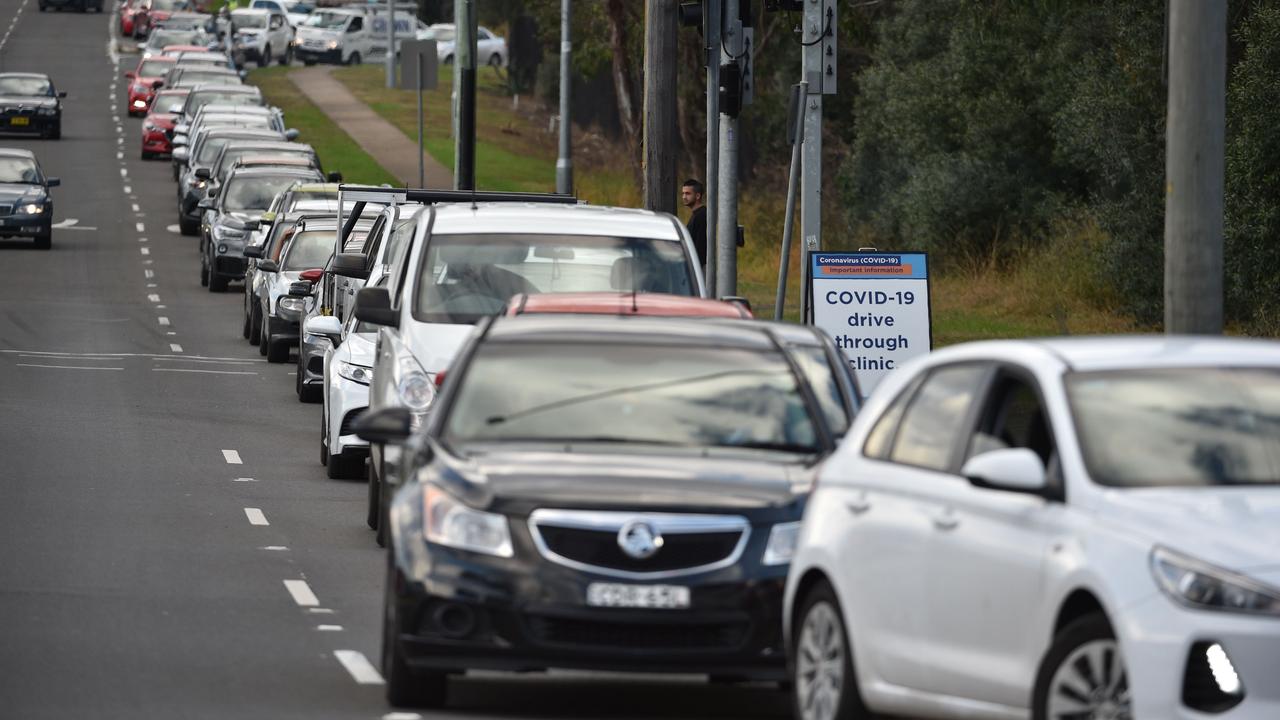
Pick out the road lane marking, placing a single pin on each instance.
(119, 155)
(255, 516)
(128, 190)
(244, 480)
(206, 372)
(329, 628)
(141, 227)
(197, 359)
(175, 229)
(152, 285)
(163, 320)
(124, 172)
(161, 307)
(171, 333)
(175, 347)
(361, 670)
(58, 354)
(136, 208)
(149, 273)
(275, 548)
(142, 239)
(144, 251)
(232, 457)
(401, 716)
(301, 593)
(153, 297)
(320, 611)
(68, 367)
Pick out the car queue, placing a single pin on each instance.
(577, 459)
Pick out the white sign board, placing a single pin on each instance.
(875, 306)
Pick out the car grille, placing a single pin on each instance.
(15, 111)
(552, 630)
(349, 420)
(6, 210)
(589, 540)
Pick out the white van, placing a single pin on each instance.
(342, 36)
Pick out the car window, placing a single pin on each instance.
(21, 85)
(308, 249)
(356, 24)
(19, 170)
(248, 194)
(326, 20)
(1013, 418)
(880, 439)
(817, 370)
(399, 266)
(933, 422)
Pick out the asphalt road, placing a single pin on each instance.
(169, 544)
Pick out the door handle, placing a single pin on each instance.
(946, 520)
(859, 505)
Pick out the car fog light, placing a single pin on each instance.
(1224, 673)
(222, 249)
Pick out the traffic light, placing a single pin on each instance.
(731, 88)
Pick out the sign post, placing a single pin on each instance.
(875, 306)
(418, 72)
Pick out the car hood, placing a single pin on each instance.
(1237, 528)
(27, 101)
(12, 192)
(310, 33)
(434, 345)
(516, 482)
(360, 348)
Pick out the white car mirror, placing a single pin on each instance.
(1015, 469)
(326, 325)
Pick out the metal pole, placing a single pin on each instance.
(796, 128)
(812, 66)
(711, 29)
(564, 163)
(422, 169)
(1194, 166)
(727, 224)
(464, 54)
(659, 146)
(391, 44)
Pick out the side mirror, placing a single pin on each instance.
(301, 288)
(291, 134)
(204, 173)
(352, 265)
(181, 129)
(180, 141)
(157, 84)
(373, 305)
(52, 182)
(253, 251)
(62, 94)
(1012, 469)
(335, 177)
(327, 325)
(388, 425)
(268, 266)
(131, 74)
(180, 153)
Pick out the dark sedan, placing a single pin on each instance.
(609, 493)
(26, 209)
(30, 104)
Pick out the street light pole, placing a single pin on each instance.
(564, 163)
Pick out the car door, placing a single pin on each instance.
(884, 551)
(987, 556)
(278, 31)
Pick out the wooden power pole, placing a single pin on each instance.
(1194, 160)
(659, 134)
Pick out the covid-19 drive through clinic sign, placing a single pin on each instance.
(876, 307)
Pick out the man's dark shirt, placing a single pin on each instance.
(698, 231)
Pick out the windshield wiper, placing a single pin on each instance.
(779, 446)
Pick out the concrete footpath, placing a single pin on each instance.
(390, 147)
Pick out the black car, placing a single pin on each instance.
(29, 104)
(81, 5)
(608, 493)
(26, 209)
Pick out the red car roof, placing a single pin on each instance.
(615, 303)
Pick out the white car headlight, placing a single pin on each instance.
(33, 209)
(446, 521)
(782, 543)
(291, 304)
(1202, 586)
(333, 44)
(414, 386)
(354, 373)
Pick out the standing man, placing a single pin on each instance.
(691, 193)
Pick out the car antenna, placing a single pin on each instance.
(473, 196)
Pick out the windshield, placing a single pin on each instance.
(190, 78)
(235, 153)
(1179, 427)
(670, 395)
(154, 68)
(309, 249)
(439, 34)
(209, 150)
(318, 196)
(13, 85)
(198, 100)
(169, 103)
(326, 20)
(169, 5)
(249, 20)
(18, 170)
(245, 194)
(162, 37)
(466, 277)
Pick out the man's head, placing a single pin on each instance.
(691, 194)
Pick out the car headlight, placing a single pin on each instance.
(333, 44)
(1202, 586)
(446, 521)
(291, 304)
(200, 184)
(32, 209)
(782, 543)
(354, 373)
(222, 233)
(48, 111)
(414, 386)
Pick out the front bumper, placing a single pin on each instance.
(230, 265)
(139, 103)
(311, 349)
(1157, 638)
(280, 330)
(346, 400)
(306, 54)
(156, 142)
(26, 225)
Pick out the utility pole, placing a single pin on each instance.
(726, 237)
(818, 68)
(1194, 166)
(711, 11)
(660, 26)
(564, 163)
(391, 44)
(464, 78)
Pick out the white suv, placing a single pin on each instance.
(262, 36)
(1074, 528)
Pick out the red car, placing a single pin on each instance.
(144, 80)
(150, 13)
(618, 303)
(128, 10)
(161, 119)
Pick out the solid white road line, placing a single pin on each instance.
(194, 359)
(232, 457)
(163, 320)
(275, 548)
(255, 516)
(362, 671)
(175, 347)
(68, 367)
(206, 372)
(301, 593)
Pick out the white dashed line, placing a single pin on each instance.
(244, 480)
(358, 665)
(124, 172)
(401, 716)
(152, 285)
(232, 457)
(69, 367)
(301, 593)
(141, 227)
(175, 347)
(329, 628)
(153, 297)
(255, 516)
(206, 372)
(320, 611)
(171, 333)
(149, 273)
(274, 548)
(136, 208)
(144, 251)
(161, 307)
(175, 229)
(163, 320)
(128, 190)
(119, 155)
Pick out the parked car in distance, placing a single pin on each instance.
(152, 13)
(1058, 528)
(144, 81)
(80, 5)
(26, 207)
(624, 304)
(348, 367)
(491, 49)
(263, 35)
(162, 38)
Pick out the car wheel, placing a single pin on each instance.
(188, 227)
(824, 686)
(371, 514)
(405, 688)
(1083, 674)
(255, 323)
(287, 57)
(44, 240)
(277, 351)
(204, 270)
(354, 59)
(264, 339)
(495, 60)
(345, 467)
(265, 58)
(246, 327)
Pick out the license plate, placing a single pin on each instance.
(619, 595)
(19, 121)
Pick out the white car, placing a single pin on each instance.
(262, 35)
(348, 369)
(1067, 528)
(340, 36)
(490, 49)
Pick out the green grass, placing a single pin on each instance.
(334, 146)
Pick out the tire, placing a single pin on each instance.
(495, 60)
(371, 513)
(188, 227)
(204, 271)
(324, 438)
(263, 338)
(56, 132)
(405, 687)
(345, 467)
(247, 325)
(265, 58)
(821, 650)
(287, 57)
(255, 323)
(44, 241)
(380, 532)
(355, 59)
(277, 352)
(310, 394)
(217, 283)
(1076, 645)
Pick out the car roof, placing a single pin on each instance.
(631, 330)
(227, 109)
(274, 171)
(42, 76)
(1122, 352)
(241, 132)
(17, 152)
(221, 87)
(553, 219)
(281, 160)
(624, 303)
(270, 145)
